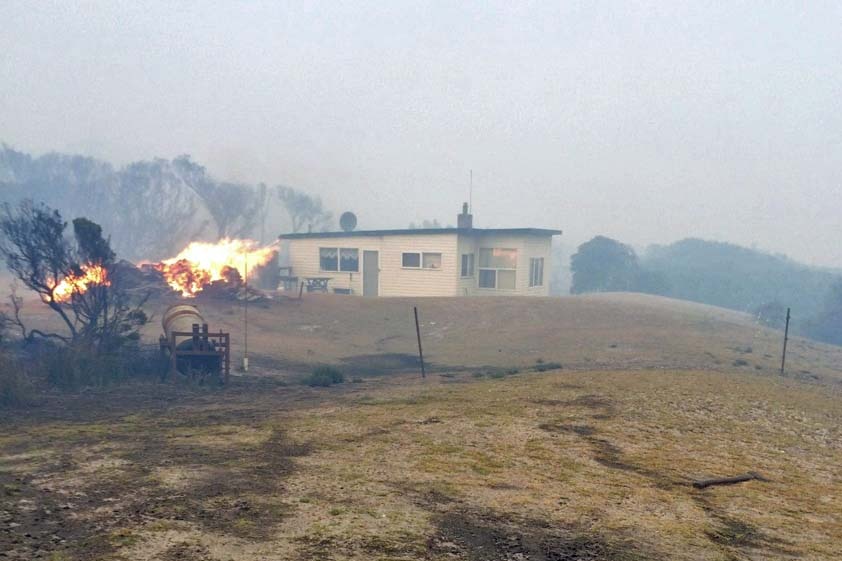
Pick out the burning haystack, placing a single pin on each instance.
(218, 269)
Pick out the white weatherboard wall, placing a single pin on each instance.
(527, 246)
(467, 285)
(395, 280)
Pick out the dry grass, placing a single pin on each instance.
(601, 331)
(613, 452)
(582, 463)
(605, 331)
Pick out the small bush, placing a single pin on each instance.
(324, 376)
(544, 366)
(740, 362)
(71, 368)
(15, 386)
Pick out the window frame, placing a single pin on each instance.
(480, 275)
(536, 272)
(496, 270)
(321, 265)
(424, 255)
(421, 255)
(403, 262)
(355, 249)
(468, 265)
(338, 258)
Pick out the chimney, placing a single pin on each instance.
(465, 221)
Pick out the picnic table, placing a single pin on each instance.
(289, 282)
(316, 284)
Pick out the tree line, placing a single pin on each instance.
(719, 274)
(152, 209)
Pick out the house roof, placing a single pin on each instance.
(424, 232)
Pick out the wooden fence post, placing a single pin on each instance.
(786, 337)
(420, 350)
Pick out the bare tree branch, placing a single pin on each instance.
(303, 209)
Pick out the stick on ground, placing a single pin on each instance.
(750, 476)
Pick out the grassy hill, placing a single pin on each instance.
(599, 331)
(488, 458)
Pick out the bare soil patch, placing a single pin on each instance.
(487, 536)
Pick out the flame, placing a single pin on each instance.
(202, 263)
(90, 275)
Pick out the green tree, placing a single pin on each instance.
(33, 245)
(827, 326)
(91, 246)
(100, 314)
(740, 278)
(603, 265)
(651, 282)
(425, 224)
(304, 210)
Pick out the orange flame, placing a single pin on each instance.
(202, 263)
(91, 275)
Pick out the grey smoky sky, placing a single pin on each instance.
(648, 122)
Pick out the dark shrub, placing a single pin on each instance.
(15, 386)
(544, 366)
(324, 376)
(75, 367)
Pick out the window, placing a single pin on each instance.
(349, 259)
(339, 259)
(498, 268)
(497, 258)
(536, 271)
(432, 260)
(328, 259)
(487, 278)
(421, 260)
(467, 264)
(411, 260)
(506, 279)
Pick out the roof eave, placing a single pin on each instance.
(423, 231)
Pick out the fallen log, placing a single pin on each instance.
(750, 476)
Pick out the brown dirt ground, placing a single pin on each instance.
(487, 458)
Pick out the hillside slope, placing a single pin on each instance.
(606, 331)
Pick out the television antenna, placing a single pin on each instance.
(471, 193)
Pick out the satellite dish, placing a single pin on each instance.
(348, 221)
